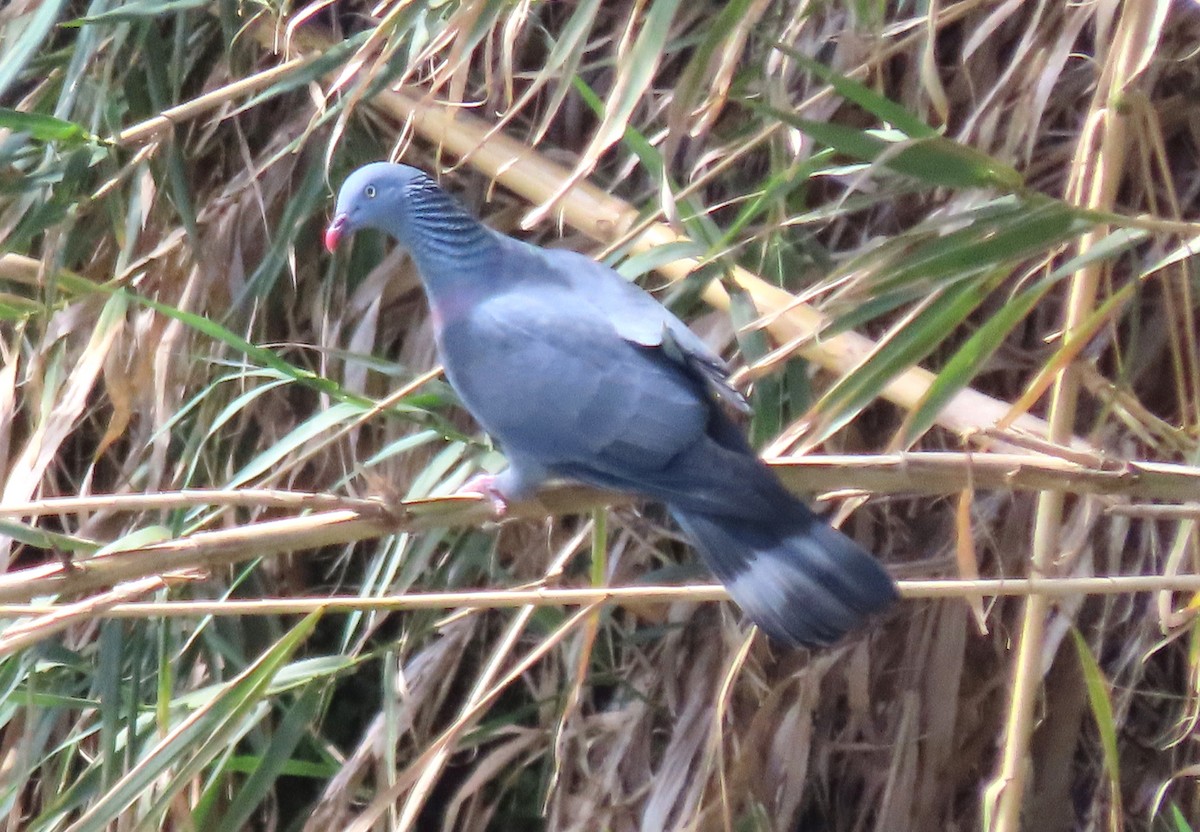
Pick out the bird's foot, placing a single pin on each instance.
(485, 486)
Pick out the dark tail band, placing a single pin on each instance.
(801, 581)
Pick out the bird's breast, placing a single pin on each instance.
(471, 353)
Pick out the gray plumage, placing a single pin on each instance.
(581, 375)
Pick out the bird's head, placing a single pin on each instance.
(376, 196)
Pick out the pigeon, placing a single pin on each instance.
(581, 375)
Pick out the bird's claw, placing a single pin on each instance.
(485, 486)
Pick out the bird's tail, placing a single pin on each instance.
(797, 578)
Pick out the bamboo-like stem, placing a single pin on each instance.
(910, 473)
(911, 590)
(344, 520)
(938, 472)
(205, 550)
(54, 618)
(189, 498)
(1187, 511)
(1098, 169)
(153, 127)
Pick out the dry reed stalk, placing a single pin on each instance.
(46, 620)
(202, 550)
(59, 617)
(936, 589)
(911, 473)
(385, 798)
(1097, 171)
(189, 498)
(340, 520)
(501, 651)
(168, 119)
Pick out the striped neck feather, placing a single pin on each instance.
(442, 234)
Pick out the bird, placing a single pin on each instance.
(583, 376)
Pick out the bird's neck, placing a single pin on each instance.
(450, 246)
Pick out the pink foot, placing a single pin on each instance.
(485, 486)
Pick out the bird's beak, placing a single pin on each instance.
(333, 234)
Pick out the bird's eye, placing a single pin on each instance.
(369, 192)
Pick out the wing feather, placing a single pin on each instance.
(639, 318)
(556, 383)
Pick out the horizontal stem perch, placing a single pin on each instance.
(188, 498)
(1187, 511)
(582, 596)
(913, 473)
(55, 618)
(948, 473)
(203, 550)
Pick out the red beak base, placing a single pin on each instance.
(333, 234)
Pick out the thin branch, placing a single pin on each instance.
(915, 473)
(949, 473)
(54, 618)
(1187, 511)
(1097, 171)
(583, 596)
(167, 119)
(354, 521)
(189, 498)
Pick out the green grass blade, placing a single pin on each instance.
(19, 47)
(258, 787)
(321, 422)
(195, 740)
(44, 539)
(903, 347)
(140, 9)
(934, 160)
(1028, 231)
(877, 105)
(970, 358)
(637, 72)
(1100, 700)
(44, 128)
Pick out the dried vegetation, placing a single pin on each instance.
(949, 242)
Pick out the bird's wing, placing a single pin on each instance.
(639, 318)
(556, 383)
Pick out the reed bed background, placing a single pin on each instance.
(946, 245)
